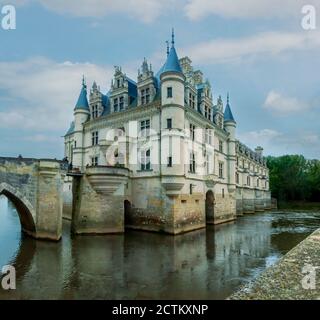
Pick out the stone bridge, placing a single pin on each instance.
(35, 187)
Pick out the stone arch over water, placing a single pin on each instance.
(25, 210)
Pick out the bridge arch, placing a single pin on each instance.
(24, 208)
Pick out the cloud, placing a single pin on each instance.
(143, 10)
(40, 94)
(257, 46)
(265, 9)
(278, 143)
(282, 105)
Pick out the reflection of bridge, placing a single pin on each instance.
(35, 188)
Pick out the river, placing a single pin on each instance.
(206, 264)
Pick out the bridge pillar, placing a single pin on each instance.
(98, 200)
(50, 201)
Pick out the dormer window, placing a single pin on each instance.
(118, 83)
(145, 96)
(115, 105)
(169, 92)
(121, 103)
(192, 100)
(94, 113)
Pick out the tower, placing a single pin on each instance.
(230, 126)
(81, 115)
(172, 82)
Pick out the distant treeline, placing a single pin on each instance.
(294, 178)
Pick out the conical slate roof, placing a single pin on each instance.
(82, 102)
(172, 64)
(228, 116)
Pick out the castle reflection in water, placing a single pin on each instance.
(204, 264)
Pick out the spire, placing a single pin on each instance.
(82, 102)
(172, 38)
(228, 116)
(172, 64)
(167, 42)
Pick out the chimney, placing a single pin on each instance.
(259, 151)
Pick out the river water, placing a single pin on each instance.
(205, 264)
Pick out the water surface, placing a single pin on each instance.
(205, 264)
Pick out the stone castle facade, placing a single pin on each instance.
(159, 154)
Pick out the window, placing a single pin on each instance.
(248, 181)
(169, 92)
(237, 178)
(192, 165)
(192, 100)
(94, 161)
(170, 162)
(192, 131)
(118, 83)
(75, 144)
(145, 128)
(121, 103)
(208, 163)
(222, 193)
(145, 160)
(221, 170)
(258, 182)
(145, 96)
(94, 113)
(191, 188)
(220, 146)
(95, 138)
(208, 138)
(115, 105)
(169, 123)
(207, 112)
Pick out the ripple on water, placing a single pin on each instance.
(205, 264)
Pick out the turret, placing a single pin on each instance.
(81, 115)
(172, 82)
(229, 122)
(230, 126)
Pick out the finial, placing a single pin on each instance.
(84, 82)
(172, 41)
(228, 98)
(167, 42)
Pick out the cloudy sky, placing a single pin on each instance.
(255, 49)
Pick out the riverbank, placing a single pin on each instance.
(299, 206)
(283, 281)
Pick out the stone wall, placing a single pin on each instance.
(35, 188)
(98, 201)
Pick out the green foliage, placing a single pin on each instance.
(293, 178)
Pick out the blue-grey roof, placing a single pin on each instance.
(157, 77)
(71, 129)
(82, 102)
(132, 88)
(228, 116)
(106, 104)
(172, 64)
